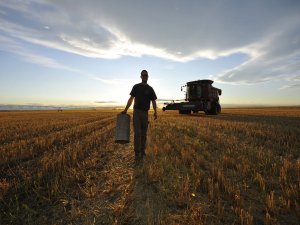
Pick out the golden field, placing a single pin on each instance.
(240, 167)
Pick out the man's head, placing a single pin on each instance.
(144, 76)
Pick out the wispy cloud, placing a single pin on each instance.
(277, 58)
(110, 81)
(106, 102)
(199, 29)
(16, 47)
(291, 86)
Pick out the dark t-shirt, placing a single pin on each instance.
(143, 94)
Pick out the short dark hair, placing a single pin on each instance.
(144, 72)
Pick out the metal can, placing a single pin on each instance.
(122, 129)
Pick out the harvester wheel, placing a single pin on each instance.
(214, 109)
(218, 108)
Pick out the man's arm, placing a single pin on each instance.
(129, 102)
(154, 107)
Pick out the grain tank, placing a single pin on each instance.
(200, 96)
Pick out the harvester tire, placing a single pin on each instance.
(219, 109)
(215, 109)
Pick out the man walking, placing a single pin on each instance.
(142, 94)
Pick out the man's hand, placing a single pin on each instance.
(154, 108)
(129, 102)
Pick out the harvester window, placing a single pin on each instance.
(199, 91)
(194, 92)
(213, 93)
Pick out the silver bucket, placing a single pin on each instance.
(123, 129)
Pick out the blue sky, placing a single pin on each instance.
(79, 53)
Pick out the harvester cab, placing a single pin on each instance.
(200, 95)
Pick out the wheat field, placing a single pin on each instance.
(240, 167)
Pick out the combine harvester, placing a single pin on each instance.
(200, 96)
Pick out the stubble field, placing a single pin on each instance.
(240, 167)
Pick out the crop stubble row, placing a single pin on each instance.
(230, 168)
